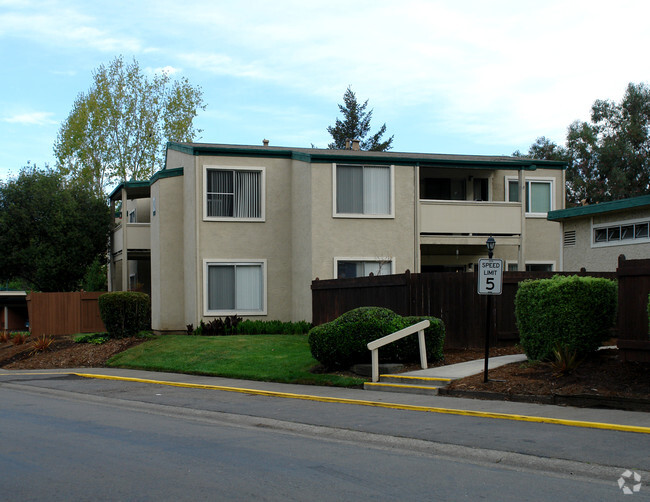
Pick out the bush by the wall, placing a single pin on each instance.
(344, 341)
(572, 312)
(125, 313)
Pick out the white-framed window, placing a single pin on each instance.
(234, 193)
(235, 287)
(346, 268)
(513, 266)
(362, 191)
(620, 233)
(539, 195)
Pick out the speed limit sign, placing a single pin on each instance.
(490, 276)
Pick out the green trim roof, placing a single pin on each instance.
(318, 155)
(145, 185)
(603, 207)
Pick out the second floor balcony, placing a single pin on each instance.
(138, 236)
(469, 217)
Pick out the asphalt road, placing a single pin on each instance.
(67, 438)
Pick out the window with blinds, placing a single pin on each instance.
(363, 190)
(233, 193)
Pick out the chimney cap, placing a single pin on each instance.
(356, 144)
(265, 142)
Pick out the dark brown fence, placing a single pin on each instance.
(64, 313)
(633, 289)
(449, 296)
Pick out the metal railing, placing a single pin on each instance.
(385, 340)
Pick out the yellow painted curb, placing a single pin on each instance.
(399, 385)
(394, 406)
(432, 379)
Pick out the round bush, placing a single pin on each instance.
(344, 341)
(125, 313)
(572, 312)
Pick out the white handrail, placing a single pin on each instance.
(385, 340)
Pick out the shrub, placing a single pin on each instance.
(41, 343)
(571, 312)
(344, 341)
(94, 338)
(19, 337)
(4, 336)
(249, 327)
(125, 313)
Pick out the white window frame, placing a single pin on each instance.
(246, 313)
(553, 264)
(261, 170)
(550, 181)
(619, 242)
(374, 259)
(389, 215)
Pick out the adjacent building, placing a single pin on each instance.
(595, 235)
(232, 229)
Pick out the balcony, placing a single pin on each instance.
(138, 236)
(469, 217)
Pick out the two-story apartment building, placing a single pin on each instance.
(227, 229)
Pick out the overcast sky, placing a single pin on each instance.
(467, 77)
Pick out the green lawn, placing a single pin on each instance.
(272, 358)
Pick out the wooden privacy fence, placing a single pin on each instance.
(64, 313)
(450, 296)
(633, 289)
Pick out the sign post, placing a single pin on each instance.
(490, 280)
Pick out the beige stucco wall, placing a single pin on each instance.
(167, 277)
(601, 258)
(301, 240)
(270, 240)
(369, 238)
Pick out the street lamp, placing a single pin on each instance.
(490, 243)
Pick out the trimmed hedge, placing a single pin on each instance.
(570, 312)
(344, 341)
(125, 313)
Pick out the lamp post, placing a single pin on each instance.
(490, 243)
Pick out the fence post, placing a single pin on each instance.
(423, 350)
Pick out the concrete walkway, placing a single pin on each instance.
(469, 368)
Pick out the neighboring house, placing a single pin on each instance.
(595, 235)
(228, 229)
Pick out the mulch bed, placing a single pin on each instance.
(63, 353)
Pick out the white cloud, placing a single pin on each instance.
(31, 118)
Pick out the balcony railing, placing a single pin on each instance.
(138, 236)
(470, 217)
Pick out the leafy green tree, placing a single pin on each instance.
(51, 230)
(356, 125)
(118, 129)
(609, 155)
(95, 278)
(544, 149)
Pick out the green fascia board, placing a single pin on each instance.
(387, 158)
(166, 173)
(163, 173)
(603, 207)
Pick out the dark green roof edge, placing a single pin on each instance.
(393, 158)
(603, 207)
(163, 173)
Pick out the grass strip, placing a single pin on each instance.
(270, 358)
